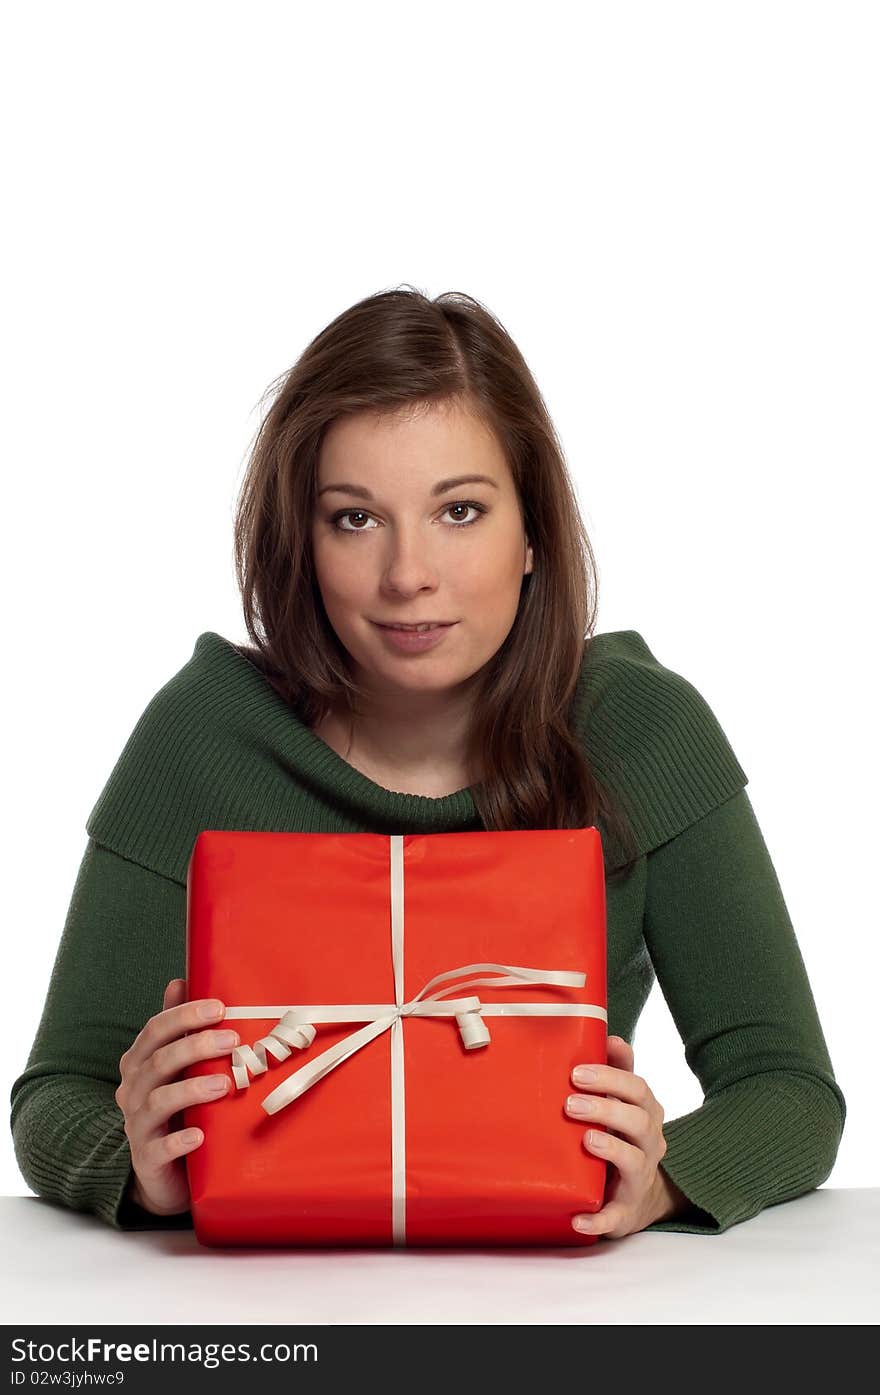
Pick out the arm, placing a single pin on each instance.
(124, 938)
(730, 969)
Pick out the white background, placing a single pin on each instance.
(674, 211)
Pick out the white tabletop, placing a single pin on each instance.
(812, 1260)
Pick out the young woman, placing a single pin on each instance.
(407, 474)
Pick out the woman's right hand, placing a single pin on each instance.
(151, 1095)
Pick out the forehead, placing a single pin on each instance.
(423, 442)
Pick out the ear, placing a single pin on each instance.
(530, 558)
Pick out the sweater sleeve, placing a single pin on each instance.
(124, 938)
(731, 972)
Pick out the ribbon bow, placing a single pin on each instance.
(296, 1030)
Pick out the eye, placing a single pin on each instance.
(360, 513)
(465, 504)
(351, 513)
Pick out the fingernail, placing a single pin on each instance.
(217, 1083)
(227, 1039)
(581, 1074)
(580, 1104)
(211, 1009)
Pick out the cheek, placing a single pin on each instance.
(492, 571)
(339, 573)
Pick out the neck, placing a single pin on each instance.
(414, 735)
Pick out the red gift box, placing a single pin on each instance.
(410, 1009)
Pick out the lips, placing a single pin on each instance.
(419, 628)
(414, 641)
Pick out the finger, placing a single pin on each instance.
(132, 1060)
(611, 1217)
(630, 1161)
(175, 992)
(171, 1023)
(630, 1120)
(166, 1102)
(620, 1053)
(170, 1061)
(612, 1080)
(157, 1153)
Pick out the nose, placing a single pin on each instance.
(407, 564)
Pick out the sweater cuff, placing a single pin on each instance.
(72, 1149)
(107, 1198)
(759, 1142)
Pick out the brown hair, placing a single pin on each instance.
(400, 350)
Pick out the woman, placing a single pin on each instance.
(408, 472)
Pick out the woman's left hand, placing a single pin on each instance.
(636, 1193)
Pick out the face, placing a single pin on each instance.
(395, 542)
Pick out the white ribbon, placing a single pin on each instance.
(295, 1029)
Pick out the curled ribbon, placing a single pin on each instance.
(295, 1029)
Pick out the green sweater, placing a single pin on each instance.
(217, 747)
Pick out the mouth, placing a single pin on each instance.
(417, 629)
(415, 639)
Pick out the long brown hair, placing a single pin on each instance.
(400, 350)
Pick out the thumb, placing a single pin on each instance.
(175, 993)
(620, 1053)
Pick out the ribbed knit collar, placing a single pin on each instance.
(218, 747)
(316, 763)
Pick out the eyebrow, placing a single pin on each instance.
(439, 488)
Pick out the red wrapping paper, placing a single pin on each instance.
(491, 1157)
